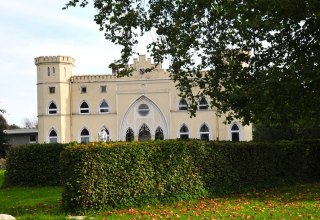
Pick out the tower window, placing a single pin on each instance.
(52, 89)
(53, 109)
(53, 71)
(48, 71)
(53, 137)
(83, 89)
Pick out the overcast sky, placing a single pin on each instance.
(33, 28)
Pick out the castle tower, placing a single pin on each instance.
(53, 90)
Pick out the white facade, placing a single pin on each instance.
(104, 107)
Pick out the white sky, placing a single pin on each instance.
(33, 28)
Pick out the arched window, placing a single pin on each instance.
(184, 132)
(84, 136)
(84, 108)
(235, 133)
(48, 71)
(104, 134)
(144, 133)
(104, 107)
(183, 105)
(65, 72)
(203, 104)
(53, 137)
(159, 134)
(204, 132)
(53, 71)
(52, 109)
(129, 135)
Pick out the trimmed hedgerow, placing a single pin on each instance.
(33, 165)
(119, 174)
(126, 174)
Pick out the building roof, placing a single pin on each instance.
(21, 131)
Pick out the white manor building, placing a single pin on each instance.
(143, 106)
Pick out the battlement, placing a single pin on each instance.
(54, 59)
(92, 78)
(143, 62)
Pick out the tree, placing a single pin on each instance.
(30, 123)
(257, 60)
(3, 139)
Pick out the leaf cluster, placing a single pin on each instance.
(257, 60)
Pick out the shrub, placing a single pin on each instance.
(33, 165)
(120, 174)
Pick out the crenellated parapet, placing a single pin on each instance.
(54, 59)
(92, 78)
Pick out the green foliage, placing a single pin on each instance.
(120, 174)
(3, 138)
(278, 40)
(31, 165)
(272, 133)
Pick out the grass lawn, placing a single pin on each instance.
(300, 201)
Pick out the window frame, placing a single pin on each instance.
(55, 138)
(50, 111)
(204, 132)
(83, 89)
(183, 133)
(52, 89)
(103, 88)
(233, 131)
(203, 106)
(86, 109)
(104, 108)
(35, 138)
(84, 138)
(183, 106)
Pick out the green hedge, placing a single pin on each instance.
(33, 165)
(118, 175)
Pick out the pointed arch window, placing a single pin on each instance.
(184, 132)
(129, 135)
(144, 133)
(204, 132)
(104, 135)
(203, 104)
(84, 136)
(53, 71)
(84, 108)
(53, 110)
(48, 71)
(104, 107)
(53, 137)
(159, 134)
(183, 105)
(235, 133)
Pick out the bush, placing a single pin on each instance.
(120, 174)
(128, 174)
(33, 165)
